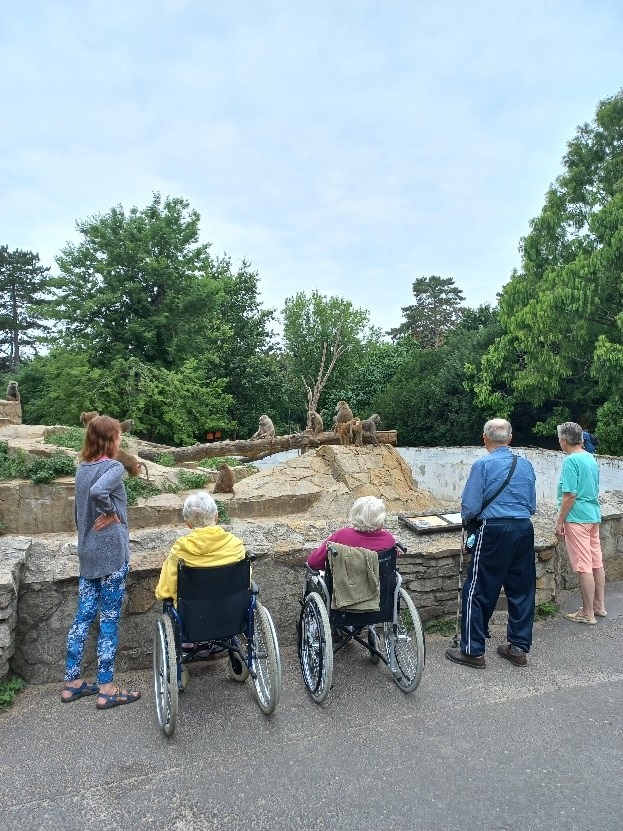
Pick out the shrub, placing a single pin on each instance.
(191, 480)
(165, 459)
(8, 690)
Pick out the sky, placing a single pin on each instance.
(347, 147)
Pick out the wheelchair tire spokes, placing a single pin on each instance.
(165, 674)
(405, 646)
(315, 647)
(266, 660)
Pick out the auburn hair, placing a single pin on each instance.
(99, 438)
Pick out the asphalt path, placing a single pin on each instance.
(501, 749)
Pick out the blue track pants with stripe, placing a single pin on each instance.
(502, 557)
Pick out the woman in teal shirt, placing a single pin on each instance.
(578, 521)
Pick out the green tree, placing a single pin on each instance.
(23, 286)
(428, 400)
(561, 312)
(436, 311)
(140, 285)
(310, 322)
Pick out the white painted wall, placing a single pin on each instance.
(443, 470)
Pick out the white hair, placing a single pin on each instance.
(498, 430)
(571, 432)
(200, 510)
(367, 514)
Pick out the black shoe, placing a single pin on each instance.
(475, 661)
(513, 654)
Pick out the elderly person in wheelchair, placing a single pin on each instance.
(210, 606)
(353, 591)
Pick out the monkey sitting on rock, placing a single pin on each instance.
(12, 392)
(130, 462)
(266, 429)
(343, 414)
(369, 426)
(225, 479)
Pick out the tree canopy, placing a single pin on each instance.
(23, 286)
(561, 317)
(436, 311)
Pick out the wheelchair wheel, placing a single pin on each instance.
(407, 645)
(236, 667)
(375, 643)
(165, 674)
(266, 661)
(316, 647)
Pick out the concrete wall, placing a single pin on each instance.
(444, 470)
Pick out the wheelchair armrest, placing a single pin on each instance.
(402, 547)
(251, 557)
(311, 571)
(167, 604)
(255, 589)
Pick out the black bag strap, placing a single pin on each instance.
(488, 501)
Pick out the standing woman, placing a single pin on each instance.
(104, 551)
(578, 521)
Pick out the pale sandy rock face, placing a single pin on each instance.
(325, 482)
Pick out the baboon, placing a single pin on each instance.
(12, 392)
(369, 426)
(127, 425)
(225, 479)
(315, 422)
(356, 431)
(130, 462)
(344, 414)
(343, 431)
(86, 417)
(266, 429)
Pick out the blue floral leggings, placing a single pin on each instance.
(107, 593)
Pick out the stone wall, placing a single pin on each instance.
(43, 573)
(10, 412)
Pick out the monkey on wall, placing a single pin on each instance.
(225, 479)
(356, 431)
(130, 462)
(12, 392)
(315, 422)
(266, 429)
(343, 431)
(369, 426)
(343, 414)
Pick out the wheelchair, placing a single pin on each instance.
(393, 635)
(217, 609)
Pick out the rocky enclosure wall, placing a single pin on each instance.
(42, 574)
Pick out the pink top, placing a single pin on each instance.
(374, 540)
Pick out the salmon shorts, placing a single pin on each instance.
(583, 546)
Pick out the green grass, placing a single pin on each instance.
(212, 464)
(71, 437)
(8, 690)
(443, 626)
(165, 459)
(191, 480)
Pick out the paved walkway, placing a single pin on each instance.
(505, 749)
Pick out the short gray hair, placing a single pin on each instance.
(498, 430)
(570, 432)
(367, 514)
(200, 510)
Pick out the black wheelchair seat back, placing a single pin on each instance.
(387, 580)
(213, 603)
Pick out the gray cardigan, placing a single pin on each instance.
(100, 490)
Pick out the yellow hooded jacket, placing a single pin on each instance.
(209, 546)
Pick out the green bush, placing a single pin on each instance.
(8, 690)
(546, 609)
(191, 480)
(212, 464)
(41, 470)
(223, 513)
(135, 487)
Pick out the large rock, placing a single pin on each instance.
(325, 482)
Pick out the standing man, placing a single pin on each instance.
(499, 498)
(578, 521)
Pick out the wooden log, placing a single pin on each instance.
(251, 449)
